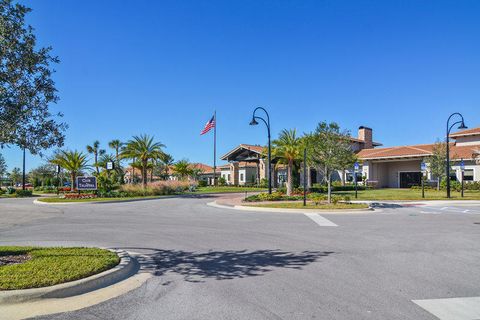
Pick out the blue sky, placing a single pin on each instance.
(163, 67)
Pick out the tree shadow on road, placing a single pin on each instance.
(383, 205)
(223, 265)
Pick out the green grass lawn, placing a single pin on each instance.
(408, 194)
(50, 266)
(310, 205)
(228, 189)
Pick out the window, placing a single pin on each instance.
(228, 177)
(468, 175)
(241, 177)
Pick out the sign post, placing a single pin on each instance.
(423, 168)
(462, 168)
(356, 167)
(304, 177)
(57, 170)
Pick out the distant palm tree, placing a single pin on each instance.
(72, 161)
(183, 169)
(167, 161)
(116, 145)
(143, 149)
(287, 148)
(96, 151)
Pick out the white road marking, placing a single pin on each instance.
(321, 221)
(465, 211)
(430, 212)
(444, 208)
(453, 308)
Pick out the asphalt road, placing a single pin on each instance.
(212, 263)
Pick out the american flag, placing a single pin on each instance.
(210, 124)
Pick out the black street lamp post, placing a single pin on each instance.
(267, 123)
(23, 173)
(449, 128)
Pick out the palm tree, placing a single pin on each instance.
(287, 148)
(96, 151)
(72, 161)
(183, 169)
(116, 145)
(167, 161)
(143, 149)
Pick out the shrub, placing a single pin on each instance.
(335, 199)
(23, 193)
(11, 190)
(2, 191)
(202, 183)
(222, 181)
(275, 196)
(454, 185)
(317, 197)
(158, 188)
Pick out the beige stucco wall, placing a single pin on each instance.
(386, 173)
(469, 165)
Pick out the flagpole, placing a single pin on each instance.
(215, 150)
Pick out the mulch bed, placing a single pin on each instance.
(15, 259)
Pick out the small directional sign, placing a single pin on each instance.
(356, 166)
(423, 166)
(110, 165)
(462, 165)
(57, 169)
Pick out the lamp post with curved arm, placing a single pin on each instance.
(449, 128)
(267, 123)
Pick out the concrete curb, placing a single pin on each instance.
(126, 268)
(285, 210)
(188, 196)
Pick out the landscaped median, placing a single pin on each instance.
(311, 205)
(316, 201)
(36, 267)
(156, 190)
(61, 200)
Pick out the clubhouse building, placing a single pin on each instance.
(381, 167)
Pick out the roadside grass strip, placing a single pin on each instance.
(408, 194)
(225, 189)
(310, 205)
(50, 266)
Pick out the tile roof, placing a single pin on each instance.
(240, 164)
(421, 150)
(203, 167)
(467, 132)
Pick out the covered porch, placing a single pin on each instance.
(393, 173)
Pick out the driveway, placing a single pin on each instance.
(213, 263)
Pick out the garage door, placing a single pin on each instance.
(409, 179)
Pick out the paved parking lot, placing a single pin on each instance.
(418, 262)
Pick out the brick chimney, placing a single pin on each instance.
(365, 134)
